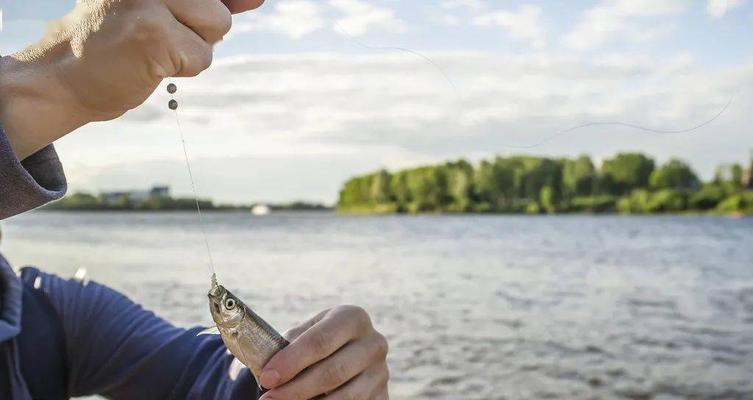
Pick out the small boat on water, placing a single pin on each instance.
(261, 210)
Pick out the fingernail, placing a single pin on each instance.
(269, 378)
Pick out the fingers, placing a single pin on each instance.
(199, 24)
(189, 55)
(239, 6)
(208, 18)
(324, 338)
(335, 371)
(371, 385)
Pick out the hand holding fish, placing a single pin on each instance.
(337, 353)
(103, 59)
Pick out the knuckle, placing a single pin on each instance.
(194, 66)
(386, 375)
(382, 346)
(213, 25)
(225, 21)
(358, 314)
(354, 310)
(206, 58)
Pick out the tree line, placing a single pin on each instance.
(82, 201)
(625, 183)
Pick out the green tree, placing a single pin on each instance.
(628, 182)
(381, 187)
(548, 200)
(627, 171)
(578, 177)
(400, 191)
(460, 185)
(737, 176)
(532, 174)
(667, 200)
(708, 197)
(637, 202)
(493, 184)
(675, 174)
(356, 192)
(428, 189)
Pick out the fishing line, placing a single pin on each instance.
(628, 125)
(173, 104)
(415, 53)
(551, 137)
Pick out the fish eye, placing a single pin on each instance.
(230, 303)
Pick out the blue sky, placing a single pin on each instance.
(305, 93)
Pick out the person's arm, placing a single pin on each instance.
(103, 59)
(117, 349)
(30, 183)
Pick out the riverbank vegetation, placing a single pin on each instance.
(82, 201)
(626, 183)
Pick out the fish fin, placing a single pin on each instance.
(212, 330)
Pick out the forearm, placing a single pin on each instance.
(35, 109)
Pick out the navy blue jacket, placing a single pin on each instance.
(67, 338)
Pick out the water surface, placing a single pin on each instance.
(475, 307)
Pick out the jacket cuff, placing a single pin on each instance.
(28, 184)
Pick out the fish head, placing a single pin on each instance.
(226, 309)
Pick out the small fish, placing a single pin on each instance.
(248, 337)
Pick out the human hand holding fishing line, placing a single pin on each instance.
(103, 59)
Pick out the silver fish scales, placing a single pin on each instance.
(246, 335)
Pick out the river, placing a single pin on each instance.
(475, 307)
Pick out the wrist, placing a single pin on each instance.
(35, 108)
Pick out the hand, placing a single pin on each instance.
(103, 59)
(336, 355)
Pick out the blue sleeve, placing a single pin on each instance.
(29, 183)
(117, 349)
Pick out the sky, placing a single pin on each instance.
(304, 94)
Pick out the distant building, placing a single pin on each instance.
(156, 192)
(160, 191)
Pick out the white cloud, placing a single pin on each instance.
(612, 18)
(360, 17)
(648, 8)
(473, 5)
(523, 24)
(293, 18)
(283, 120)
(456, 12)
(719, 8)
